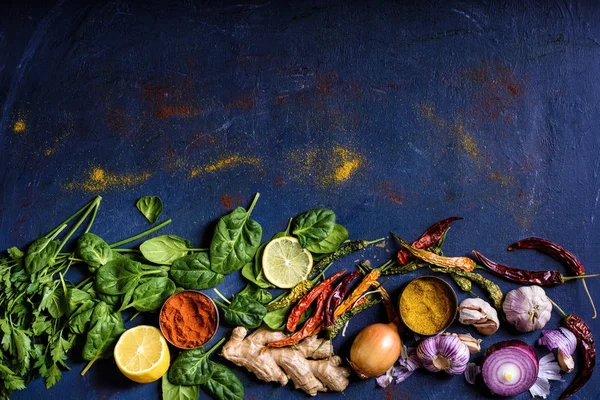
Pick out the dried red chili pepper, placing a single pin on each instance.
(311, 326)
(308, 299)
(585, 339)
(541, 278)
(557, 252)
(337, 296)
(427, 239)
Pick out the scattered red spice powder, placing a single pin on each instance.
(188, 319)
(226, 200)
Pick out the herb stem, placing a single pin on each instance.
(127, 251)
(88, 366)
(254, 200)
(66, 221)
(222, 297)
(140, 235)
(84, 282)
(92, 218)
(95, 204)
(216, 346)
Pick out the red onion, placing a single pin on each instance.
(510, 367)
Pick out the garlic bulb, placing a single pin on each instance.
(443, 353)
(480, 314)
(527, 308)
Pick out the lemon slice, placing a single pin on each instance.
(285, 263)
(142, 354)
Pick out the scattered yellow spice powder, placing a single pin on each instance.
(227, 162)
(19, 126)
(99, 180)
(426, 306)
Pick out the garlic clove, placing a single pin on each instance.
(480, 314)
(565, 361)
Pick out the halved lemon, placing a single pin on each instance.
(142, 354)
(285, 263)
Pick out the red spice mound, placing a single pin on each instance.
(188, 319)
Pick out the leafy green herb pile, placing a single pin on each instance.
(43, 315)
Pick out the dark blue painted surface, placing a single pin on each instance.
(482, 109)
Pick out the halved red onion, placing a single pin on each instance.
(510, 367)
(471, 372)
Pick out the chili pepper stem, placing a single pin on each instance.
(569, 278)
(564, 314)
(590, 297)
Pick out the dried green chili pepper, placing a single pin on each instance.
(293, 296)
(333, 330)
(463, 283)
(344, 250)
(493, 290)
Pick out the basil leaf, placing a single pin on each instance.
(313, 226)
(106, 327)
(244, 311)
(40, 254)
(223, 384)
(256, 293)
(193, 272)
(150, 207)
(165, 249)
(331, 242)
(190, 368)
(152, 293)
(235, 240)
(93, 250)
(178, 392)
(118, 276)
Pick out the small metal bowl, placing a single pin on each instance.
(196, 293)
(449, 293)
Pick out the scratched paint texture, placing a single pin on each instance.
(394, 114)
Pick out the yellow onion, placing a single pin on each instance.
(375, 349)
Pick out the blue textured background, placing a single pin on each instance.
(488, 110)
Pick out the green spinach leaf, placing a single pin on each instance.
(106, 327)
(243, 311)
(256, 293)
(193, 272)
(165, 249)
(277, 319)
(79, 320)
(150, 207)
(152, 293)
(15, 253)
(53, 300)
(235, 241)
(93, 250)
(118, 276)
(313, 226)
(178, 392)
(190, 368)
(330, 244)
(223, 384)
(40, 254)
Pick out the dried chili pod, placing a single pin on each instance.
(455, 263)
(540, 278)
(293, 296)
(493, 290)
(308, 299)
(585, 339)
(333, 330)
(337, 296)
(557, 252)
(363, 286)
(311, 326)
(427, 239)
(344, 250)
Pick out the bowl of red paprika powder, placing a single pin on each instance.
(189, 319)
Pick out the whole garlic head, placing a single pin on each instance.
(480, 314)
(527, 308)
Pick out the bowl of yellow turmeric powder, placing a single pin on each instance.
(428, 305)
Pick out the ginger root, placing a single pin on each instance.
(320, 373)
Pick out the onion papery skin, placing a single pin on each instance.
(449, 348)
(515, 352)
(375, 349)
